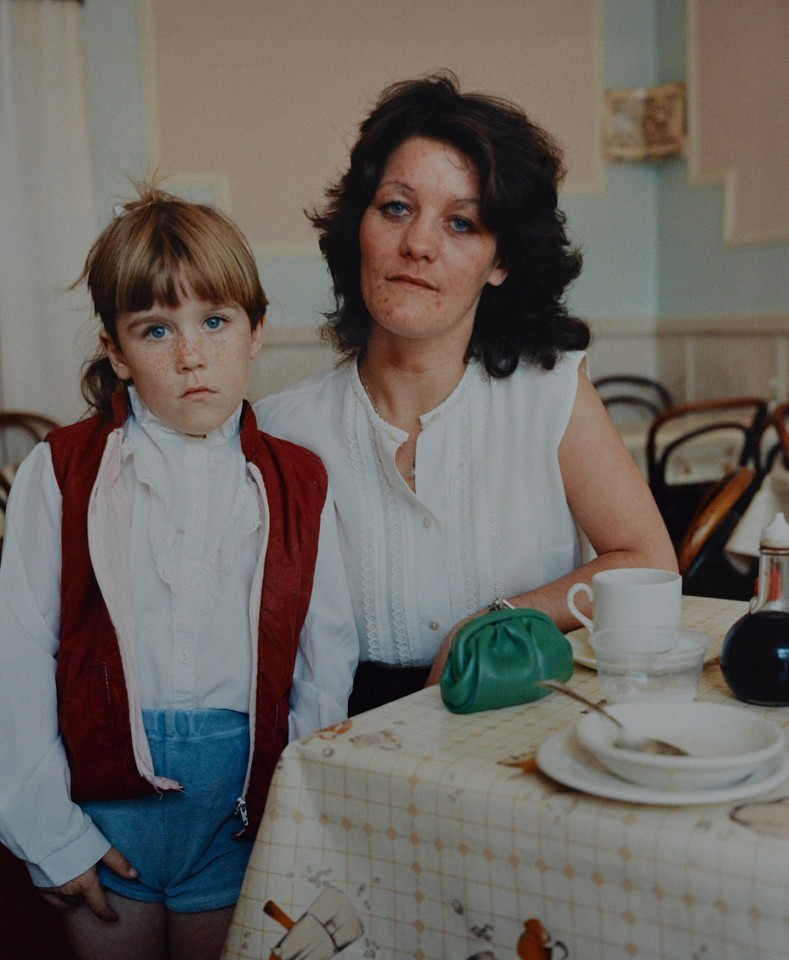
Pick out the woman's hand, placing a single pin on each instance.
(441, 658)
(88, 888)
(439, 663)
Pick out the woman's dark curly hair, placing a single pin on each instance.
(520, 168)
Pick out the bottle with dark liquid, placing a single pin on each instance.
(755, 654)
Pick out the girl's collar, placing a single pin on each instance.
(132, 403)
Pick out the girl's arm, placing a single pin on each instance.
(329, 645)
(611, 503)
(38, 821)
(87, 887)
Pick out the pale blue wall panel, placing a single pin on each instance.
(116, 103)
(616, 233)
(699, 275)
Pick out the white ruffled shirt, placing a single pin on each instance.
(489, 517)
(198, 538)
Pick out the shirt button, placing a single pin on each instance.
(426, 522)
(434, 624)
(184, 657)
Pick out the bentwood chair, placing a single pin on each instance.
(691, 446)
(631, 397)
(773, 440)
(20, 431)
(705, 569)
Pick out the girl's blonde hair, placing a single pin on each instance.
(158, 250)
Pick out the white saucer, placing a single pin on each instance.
(563, 758)
(582, 649)
(696, 614)
(583, 653)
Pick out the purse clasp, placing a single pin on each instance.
(501, 603)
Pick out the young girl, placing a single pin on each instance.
(172, 602)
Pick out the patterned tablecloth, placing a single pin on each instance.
(408, 822)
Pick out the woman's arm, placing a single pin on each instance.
(611, 503)
(609, 499)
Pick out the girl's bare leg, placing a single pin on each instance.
(140, 931)
(198, 936)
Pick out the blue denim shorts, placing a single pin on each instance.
(182, 844)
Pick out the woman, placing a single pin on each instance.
(464, 442)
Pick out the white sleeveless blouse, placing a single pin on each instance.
(489, 517)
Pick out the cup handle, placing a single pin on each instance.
(579, 588)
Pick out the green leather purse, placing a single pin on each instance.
(496, 657)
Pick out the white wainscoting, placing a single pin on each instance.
(695, 357)
(289, 354)
(698, 357)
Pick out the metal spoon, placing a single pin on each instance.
(624, 740)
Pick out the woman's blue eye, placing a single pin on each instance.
(395, 207)
(461, 225)
(214, 323)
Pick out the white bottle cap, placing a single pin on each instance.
(776, 533)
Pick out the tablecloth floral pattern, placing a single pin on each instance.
(441, 849)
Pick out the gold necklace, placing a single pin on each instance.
(410, 472)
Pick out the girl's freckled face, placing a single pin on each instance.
(190, 364)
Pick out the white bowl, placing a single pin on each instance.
(726, 744)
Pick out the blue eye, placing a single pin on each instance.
(462, 225)
(395, 208)
(214, 323)
(156, 331)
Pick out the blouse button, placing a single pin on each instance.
(426, 522)
(434, 624)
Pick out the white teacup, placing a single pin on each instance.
(630, 596)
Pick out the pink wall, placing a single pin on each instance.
(739, 59)
(266, 96)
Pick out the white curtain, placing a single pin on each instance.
(47, 207)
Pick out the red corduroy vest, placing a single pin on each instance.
(93, 705)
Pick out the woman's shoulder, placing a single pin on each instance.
(566, 364)
(535, 399)
(303, 405)
(529, 375)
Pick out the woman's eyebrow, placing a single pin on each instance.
(461, 201)
(396, 183)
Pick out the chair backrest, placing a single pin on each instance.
(20, 431)
(627, 396)
(692, 445)
(774, 439)
(701, 558)
(714, 510)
